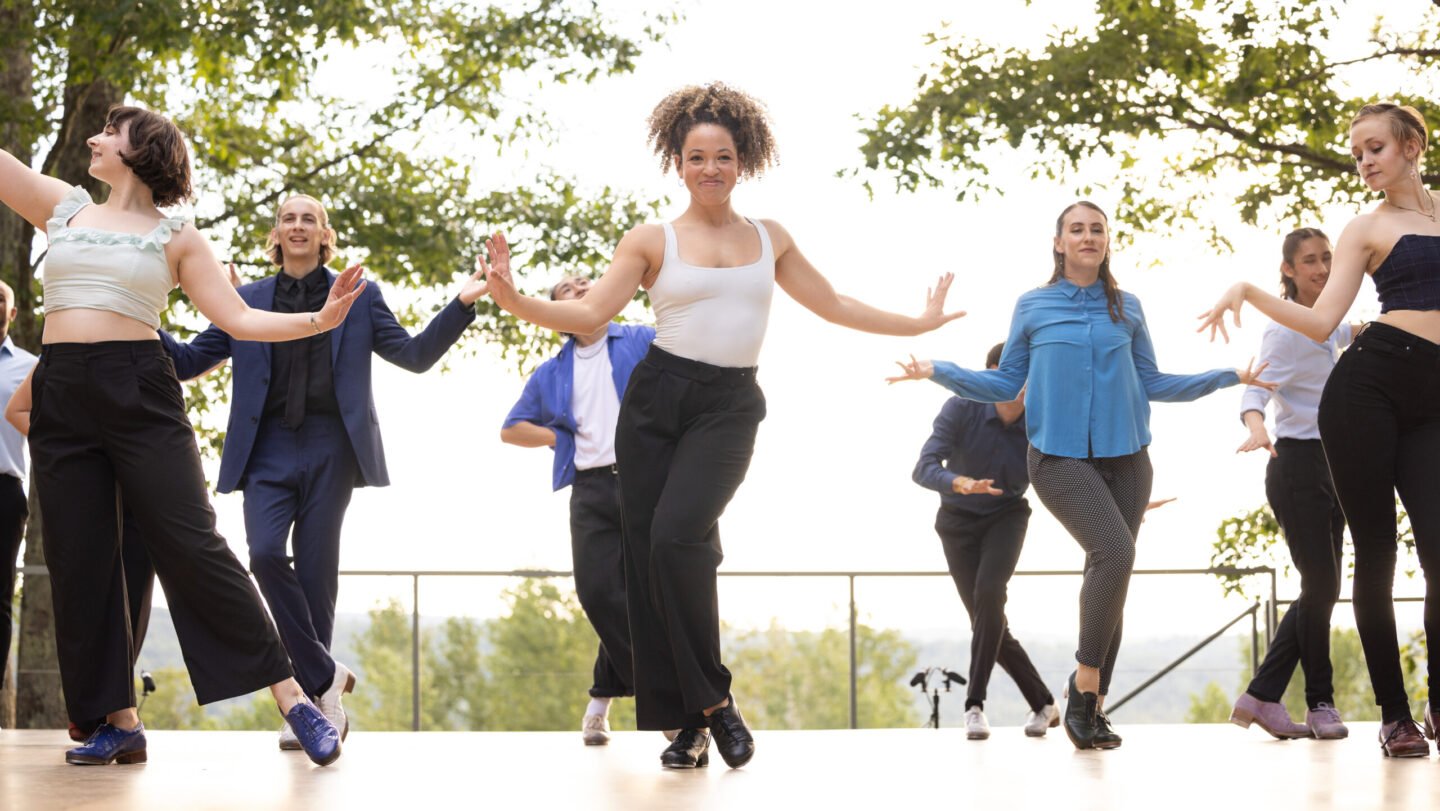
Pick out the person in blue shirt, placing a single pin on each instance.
(975, 459)
(1083, 346)
(571, 404)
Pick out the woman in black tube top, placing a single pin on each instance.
(1380, 411)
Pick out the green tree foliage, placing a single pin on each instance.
(1354, 696)
(801, 679)
(1248, 89)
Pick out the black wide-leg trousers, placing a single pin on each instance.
(683, 445)
(109, 420)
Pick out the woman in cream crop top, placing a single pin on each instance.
(106, 418)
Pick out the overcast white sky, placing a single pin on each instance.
(830, 484)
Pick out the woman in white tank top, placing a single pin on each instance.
(107, 416)
(689, 417)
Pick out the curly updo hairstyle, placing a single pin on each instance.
(743, 116)
(158, 155)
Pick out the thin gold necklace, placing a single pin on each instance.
(1430, 214)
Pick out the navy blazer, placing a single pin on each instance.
(369, 327)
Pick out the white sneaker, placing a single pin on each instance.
(1037, 722)
(595, 729)
(288, 741)
(976, 727)
(329, 703)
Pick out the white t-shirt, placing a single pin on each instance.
(596, 406)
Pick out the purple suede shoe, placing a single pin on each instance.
(1325, 724)
(1270, 715)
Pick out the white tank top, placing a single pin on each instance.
(714, 315)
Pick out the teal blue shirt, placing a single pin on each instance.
(1090, 379)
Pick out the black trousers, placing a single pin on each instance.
(1298, 486)
(981, 552)
(110, 415)
(597, 548)
(683, 444)
(1380, 422)
(13, 512)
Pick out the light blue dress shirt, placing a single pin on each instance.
(1301, 367)
(15, 364)
(1091, 379)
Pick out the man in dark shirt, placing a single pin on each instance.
(303, 433)
(975, 458)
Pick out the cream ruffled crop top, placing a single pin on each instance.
(94, 269)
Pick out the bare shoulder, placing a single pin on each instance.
(780, 239)
(645, 243)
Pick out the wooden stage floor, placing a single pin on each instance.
(1160, 766)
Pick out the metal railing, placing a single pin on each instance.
(850, 576)
(1268, 607)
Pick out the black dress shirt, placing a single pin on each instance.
(316, 383)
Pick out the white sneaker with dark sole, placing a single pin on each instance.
(595, 729)
(1047, 717)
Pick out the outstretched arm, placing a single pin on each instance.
(1172, 388)
(635, 257)
(29, 193)
(210, 291)
(989, 386)
(798, 278)
(1352, 259)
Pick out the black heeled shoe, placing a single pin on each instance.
(1080, 722)
(1105, 735)
(689, 750)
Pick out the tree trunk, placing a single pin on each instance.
(16, 137)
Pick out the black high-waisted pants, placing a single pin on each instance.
(683, 445)
(1380, 422)
(1297, 484)
(110, 415)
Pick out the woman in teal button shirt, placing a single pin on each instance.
(1082, 344)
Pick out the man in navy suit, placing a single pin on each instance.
(303, 433)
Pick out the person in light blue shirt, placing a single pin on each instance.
(1302, 497)
(15, 366)
(1083, 346)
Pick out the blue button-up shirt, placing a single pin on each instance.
(546, 399)
(15, 364)
(1091, 379)
(970, 439)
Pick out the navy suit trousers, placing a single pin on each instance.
(297, 488)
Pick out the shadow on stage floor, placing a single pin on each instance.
(1159, 767)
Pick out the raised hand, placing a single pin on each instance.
(934, 315)
(497, 270)
(1252, 378)
(347, 287)
(1214, 318)
(475, 287)
(232, 275)
(914, 370)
